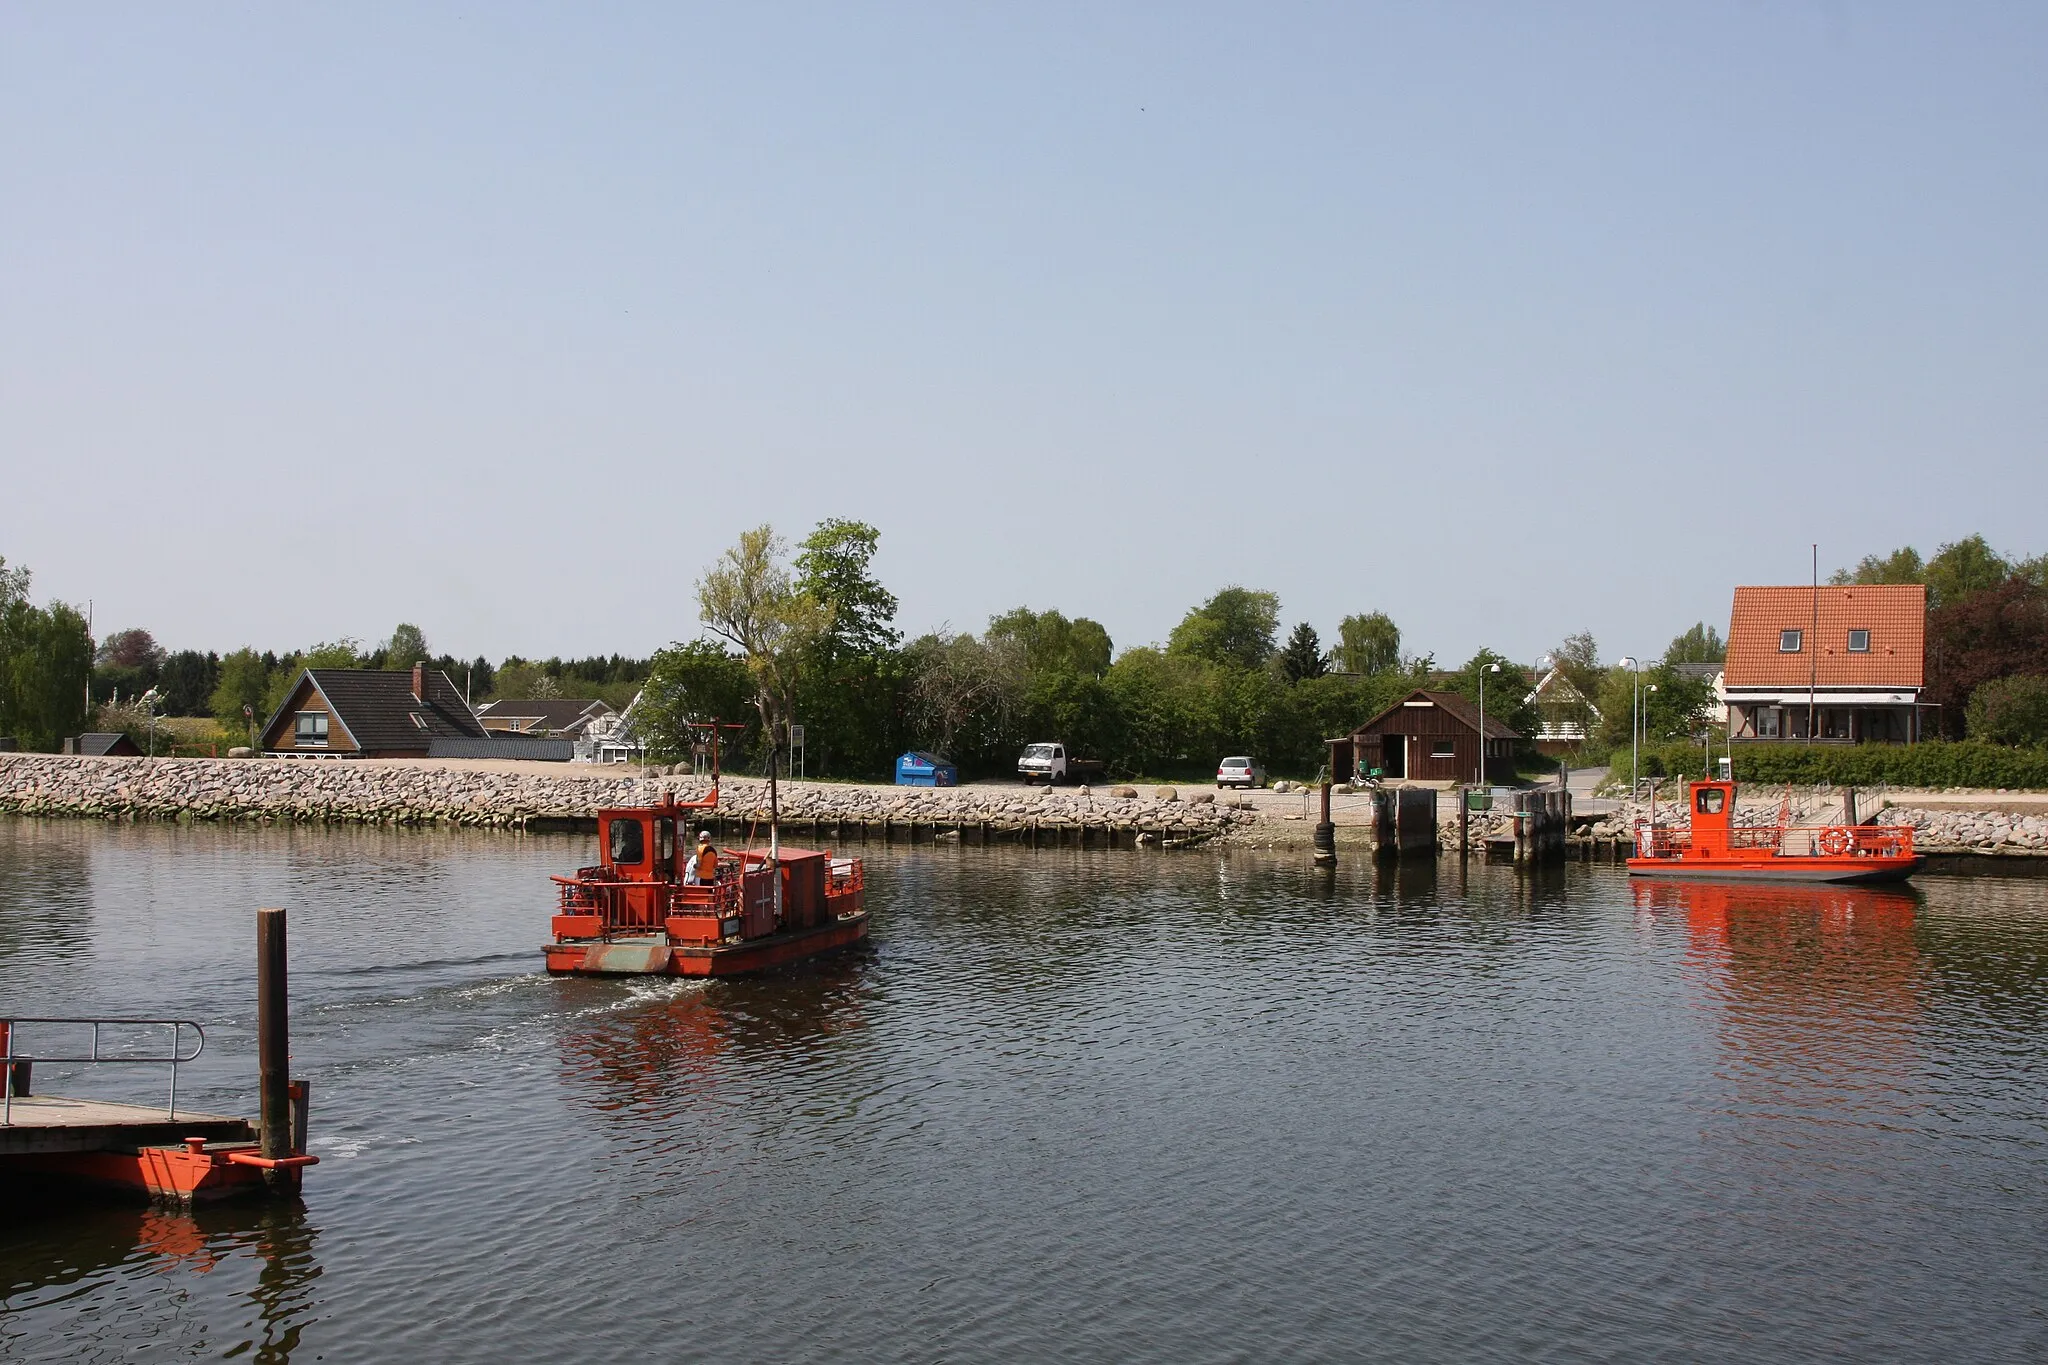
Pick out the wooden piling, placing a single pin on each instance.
(273, 1038)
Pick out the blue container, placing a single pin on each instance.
(920, 769)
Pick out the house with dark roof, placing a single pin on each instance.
(368, 713)
(108, 745)
(563, 717)
(1426, 737)
(1841, 663)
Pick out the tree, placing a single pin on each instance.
(1962, 569)
(1369, 644)
(1236, 628)
(45, 660)
(186, 681)
(1303, 657)
(1701, 644)
(1053, 644)
(132, 648)
(965, 694)
(244, 681)
(695, 682)
(749, 600)
(2010, 710)
(406, 647)
(832, 568)
(1902, 565)
(1992, 633)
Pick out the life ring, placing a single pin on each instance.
(1834, 841)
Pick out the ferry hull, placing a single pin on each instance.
(1844, 871)
(713, 959)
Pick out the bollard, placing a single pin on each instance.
(1326, 832)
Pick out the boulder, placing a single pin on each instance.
(1166, 794)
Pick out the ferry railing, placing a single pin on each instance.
(95, 1054)
(641, 907)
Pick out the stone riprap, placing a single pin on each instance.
(344, 791)
(1940, 831)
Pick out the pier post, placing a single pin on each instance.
(1326, 832)
(1464, 821)
(273, 1044)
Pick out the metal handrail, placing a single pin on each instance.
(176, 1057)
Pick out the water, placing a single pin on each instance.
(1069, 1106)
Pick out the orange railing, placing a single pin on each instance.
(1799, 841)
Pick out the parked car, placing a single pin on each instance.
(1240, 772)
(1051, 763)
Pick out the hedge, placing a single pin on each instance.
(1937, 763)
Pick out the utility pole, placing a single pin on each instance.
(1813, 649)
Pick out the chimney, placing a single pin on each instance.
(419, 682)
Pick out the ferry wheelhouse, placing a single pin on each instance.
(639, 911)
(1713, 847)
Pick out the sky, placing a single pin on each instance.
(1510, 321)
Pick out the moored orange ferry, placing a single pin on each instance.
(642, 910)
(1714, 847)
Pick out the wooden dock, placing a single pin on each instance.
(47, 1124)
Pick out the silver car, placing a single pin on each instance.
(1240, 772)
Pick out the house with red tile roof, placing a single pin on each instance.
(1843, 664)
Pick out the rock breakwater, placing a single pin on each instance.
(353, 792)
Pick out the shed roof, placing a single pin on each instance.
(547, 713)
(1894, 614)
(99, 745)
(378, 708)
(1454, 706)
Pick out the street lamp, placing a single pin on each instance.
(1483, 671)
(1635, 712)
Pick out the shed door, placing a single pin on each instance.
(1394, 755)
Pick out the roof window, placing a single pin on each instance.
(1859, 642)
(1790, 641)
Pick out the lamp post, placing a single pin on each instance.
(1635, 712)
(1483, 671)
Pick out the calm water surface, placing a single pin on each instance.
(1080, 1106)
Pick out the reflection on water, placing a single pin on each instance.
(1067, 1103)
(239, 1280)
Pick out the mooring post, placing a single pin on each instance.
(273, 1036)
(1326, 831)
(1464, 822)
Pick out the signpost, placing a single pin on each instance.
(796, 746)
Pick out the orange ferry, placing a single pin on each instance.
(636, 912)
(1714, 847)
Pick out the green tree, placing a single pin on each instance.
(832, 567)
(244, 682)
(1962, 569)
(850, 701)
(749, 600)
(45, 661)
(1303, 657)
(407, 646)
(2011, 710)
(966, 695)
(1368, 644)
(187, 680)
(1998, 632)
(1236, 628)
(1053, 644)
(1701, 644)
(1902, 565)
(1674, 706)
(696, 682)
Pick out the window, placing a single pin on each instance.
(664, 841)
(1443, 748)
(1711, 799)
(1789, 641)
(1859, 642)
(628, 843)
(309, 730)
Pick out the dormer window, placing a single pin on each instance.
(419, 720)
(1859, 642)
(1790, 641)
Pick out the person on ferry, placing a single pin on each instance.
(702, 869)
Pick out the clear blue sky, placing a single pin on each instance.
(504, 319)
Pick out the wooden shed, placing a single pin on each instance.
(1424, 737)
